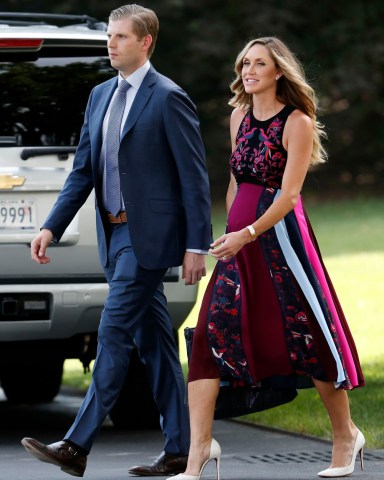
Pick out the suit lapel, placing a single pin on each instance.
(102, 102)
(142, 97)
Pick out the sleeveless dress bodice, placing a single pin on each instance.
(259, 156)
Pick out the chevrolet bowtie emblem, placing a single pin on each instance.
(8, 181)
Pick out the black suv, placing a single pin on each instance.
(48, 66)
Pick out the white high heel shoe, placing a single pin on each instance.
(344, 471)
(214, 453)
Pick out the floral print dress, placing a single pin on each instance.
(271, 312)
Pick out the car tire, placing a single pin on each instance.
(135, 407)
(32, 378)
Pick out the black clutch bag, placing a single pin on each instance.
(236, 398)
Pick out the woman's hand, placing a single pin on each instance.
(229, 244)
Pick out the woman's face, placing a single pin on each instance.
(259, 72)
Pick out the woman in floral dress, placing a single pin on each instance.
(270, 312)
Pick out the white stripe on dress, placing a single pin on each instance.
(302, 279)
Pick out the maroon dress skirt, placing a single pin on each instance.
(271, 312)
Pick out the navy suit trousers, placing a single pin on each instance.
(135, 314)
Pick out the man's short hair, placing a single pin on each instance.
(144, 21)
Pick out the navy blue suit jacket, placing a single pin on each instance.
(164, 179)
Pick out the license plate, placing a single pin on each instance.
(19, 214)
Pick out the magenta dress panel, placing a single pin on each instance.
(271, 314)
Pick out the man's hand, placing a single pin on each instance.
(193, 268)
(39, 246)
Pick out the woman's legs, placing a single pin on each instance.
(202, 396)
(344, 430)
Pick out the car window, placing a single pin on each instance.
(43, 100)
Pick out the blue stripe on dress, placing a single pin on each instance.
(298, 271)
(296, 241)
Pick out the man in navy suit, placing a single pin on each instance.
(163, 220)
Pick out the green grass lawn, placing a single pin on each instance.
(351, 237)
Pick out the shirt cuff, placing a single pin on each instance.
(200, 252)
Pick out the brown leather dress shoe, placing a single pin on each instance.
(61, 454)
(165, 464)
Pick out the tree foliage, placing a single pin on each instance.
(340, 43)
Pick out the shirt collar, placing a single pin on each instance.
(136, 78)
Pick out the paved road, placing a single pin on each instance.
(248, 452)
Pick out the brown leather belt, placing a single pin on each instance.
(120, 218)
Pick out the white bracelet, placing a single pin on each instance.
(252, 232)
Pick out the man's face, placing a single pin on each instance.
(126, 51)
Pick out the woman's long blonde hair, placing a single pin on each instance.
(292, 88)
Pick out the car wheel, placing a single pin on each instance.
(135, 407)
(32, 380)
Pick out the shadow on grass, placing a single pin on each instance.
(306, 415)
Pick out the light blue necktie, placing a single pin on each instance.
(112, 192)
